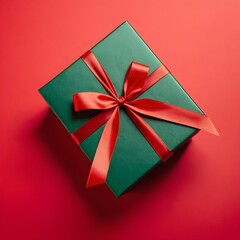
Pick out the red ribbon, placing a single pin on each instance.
(136, 82)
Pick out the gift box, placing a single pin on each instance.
(124, 109)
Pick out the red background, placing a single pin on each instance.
(42, 173)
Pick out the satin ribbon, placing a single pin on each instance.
(136, 82)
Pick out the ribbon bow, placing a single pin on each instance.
(136, 82)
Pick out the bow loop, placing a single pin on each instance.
(135, 79)
(93, 100)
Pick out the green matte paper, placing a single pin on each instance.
(133, 157)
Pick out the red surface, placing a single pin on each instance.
(42, 173)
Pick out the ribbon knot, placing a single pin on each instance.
(121, 101)
(136, 82)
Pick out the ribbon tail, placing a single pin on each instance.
(105, 148)
(153, 139)
(171, 113)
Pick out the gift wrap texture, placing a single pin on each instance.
(133, 157)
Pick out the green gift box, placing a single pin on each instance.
(133, 156)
